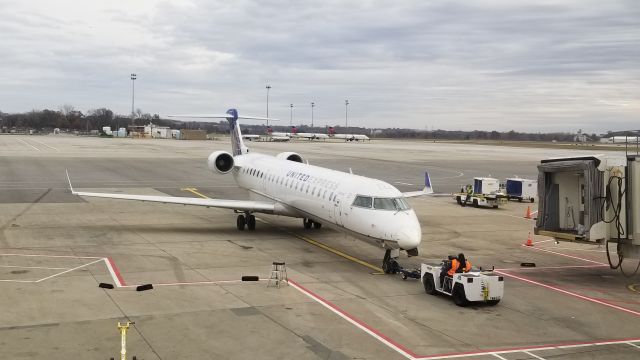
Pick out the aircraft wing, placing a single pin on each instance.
(241, 205)
(427, 190)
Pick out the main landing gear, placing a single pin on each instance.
(247, 219)
(308, 223)
(389, 262)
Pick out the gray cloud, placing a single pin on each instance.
(536, 66)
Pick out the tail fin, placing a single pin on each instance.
(237, 145)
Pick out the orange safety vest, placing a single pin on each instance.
(467, 268)
(454, 267)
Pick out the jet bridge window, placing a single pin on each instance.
(363, 201)
(398, 204)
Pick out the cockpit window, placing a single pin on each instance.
(363, 201)
(398, 204)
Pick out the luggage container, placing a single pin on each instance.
(521, 189)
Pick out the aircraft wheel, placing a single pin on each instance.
(241, 222)
(429, 284)
(251, 222)
(532, 200)
(459, 297)
(317, 225)
(390, 267)
(307, 223)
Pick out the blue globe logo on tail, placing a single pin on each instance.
(233, 113)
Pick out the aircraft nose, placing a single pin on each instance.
(410, 236)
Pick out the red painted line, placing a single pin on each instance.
(566, 292)
(353, 318)
(530, 348)
(116, 271)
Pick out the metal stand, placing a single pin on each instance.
(278, 274)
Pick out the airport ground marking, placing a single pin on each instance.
(41, 143)
(400, 349)
(498, 356)
(565, 255)
(533, 355)
(552, 267)
(570, 293)
(377, 269)
(195, 191)
(634, 345)
(32, 267)
(26, 143)
(68, 270)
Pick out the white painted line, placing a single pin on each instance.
(69, 270)
(26, 143)
(566, 292)
(533, 355)
(41, 143)
(498, 356)
(403, 183)
(634, 345)
(19, 281)
(450, 177)
(115, 274)
(553, 267)
(32, 267)
(359, 324)
(565, 255)
(542, 241)
(564, 248)
(53, 256)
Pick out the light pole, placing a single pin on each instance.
(133, 97)
(291, 120)
(312, 106)
(346, 107)
(268, 87)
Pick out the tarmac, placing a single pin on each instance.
(56, 248)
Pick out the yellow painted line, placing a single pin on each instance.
(310, 241)
(634, 288)
(195, 191)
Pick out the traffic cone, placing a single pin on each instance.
(528, 214)
(529, 242)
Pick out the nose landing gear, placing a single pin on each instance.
(389, 262)
(308, 223)
(248, 219)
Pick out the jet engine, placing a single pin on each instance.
(220, 161)
(291, 156)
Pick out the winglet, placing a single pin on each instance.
(69, 180)
(428, 189)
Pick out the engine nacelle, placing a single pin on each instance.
(220, 161)
(291, 156)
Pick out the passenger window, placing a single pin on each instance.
(363, 201)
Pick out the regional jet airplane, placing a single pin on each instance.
(366, 208)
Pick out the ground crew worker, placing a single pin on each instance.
(446, 268)
(464, 265)
(469, 194)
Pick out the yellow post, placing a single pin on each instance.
(123, 335)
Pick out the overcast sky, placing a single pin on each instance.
(502, 64)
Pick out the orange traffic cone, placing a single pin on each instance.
(528, 214)
(529, 242)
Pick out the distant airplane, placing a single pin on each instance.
(366, 208)
(347, 137)
(250, 137)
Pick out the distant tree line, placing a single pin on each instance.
(68, 118)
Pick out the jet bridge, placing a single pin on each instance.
(592, 199)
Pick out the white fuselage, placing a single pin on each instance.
(327, 196)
